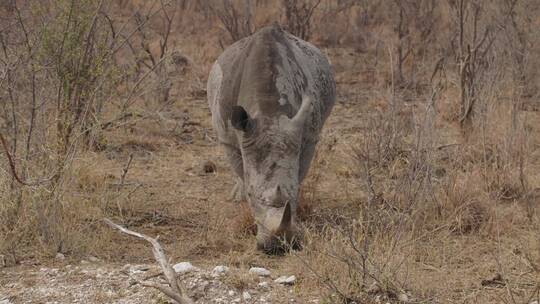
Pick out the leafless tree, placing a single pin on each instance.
(474, 41)
(298, 16)
(236, 19)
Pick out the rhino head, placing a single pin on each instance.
(271, 149)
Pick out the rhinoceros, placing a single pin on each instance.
(270, 94)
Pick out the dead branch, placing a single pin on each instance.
(14, 170)
(126, 169)
(11, 162)
(174, 290)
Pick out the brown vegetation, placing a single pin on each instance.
(426, 181)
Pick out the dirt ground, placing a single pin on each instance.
(171, 195)
(99, 282)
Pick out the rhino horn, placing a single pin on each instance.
(278, 196)
(286, 218)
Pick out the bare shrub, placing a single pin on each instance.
(298, 16)
(473, 40)
(62, 75)
(161, 15)
(235, 16)
(415, 25)
(60, 88)
(372, 246)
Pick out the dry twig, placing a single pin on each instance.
(174, 290)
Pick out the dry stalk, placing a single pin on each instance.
(174, 290)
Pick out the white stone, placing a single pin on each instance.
(262, 272)
(60, 256)
(285, 280)
(219, 270)
(184, 267)
(231, 293)
(263, 285)
(93, 259)
(246, 295)
(403, 297)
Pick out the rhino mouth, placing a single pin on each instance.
(280, 246)
(278, 233)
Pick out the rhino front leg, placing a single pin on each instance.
(234, 156)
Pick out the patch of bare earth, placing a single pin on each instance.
(99, 282)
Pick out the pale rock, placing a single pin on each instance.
(246, 295)
(184, 267)
(262, 272)
(263, 285)
(285, 280)
(403, 298)
(93, 259)
(60, 256)
(231, 293)
(220, 270)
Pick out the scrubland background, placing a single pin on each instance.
(426, 180)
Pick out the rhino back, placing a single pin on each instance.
(268, 73)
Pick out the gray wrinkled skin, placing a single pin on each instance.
(270, 95)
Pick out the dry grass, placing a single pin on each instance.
(401, 198)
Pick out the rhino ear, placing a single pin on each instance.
(303, 113)
(240, 119)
